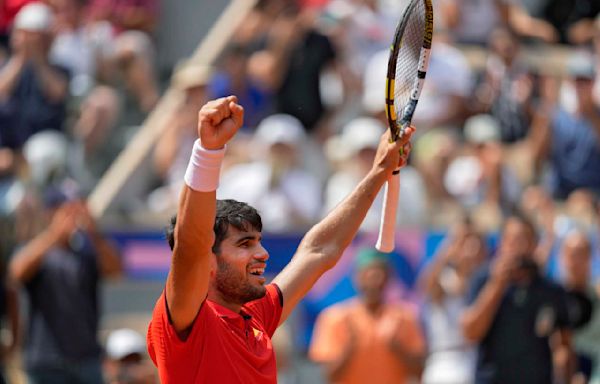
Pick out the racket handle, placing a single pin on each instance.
(387, 228)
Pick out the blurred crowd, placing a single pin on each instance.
(508, 121)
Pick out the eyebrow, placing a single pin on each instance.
(246, 238)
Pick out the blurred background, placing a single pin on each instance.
(99, 101)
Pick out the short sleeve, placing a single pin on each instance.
(165, 347)
(267, 311)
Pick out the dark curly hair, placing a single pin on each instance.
(229, 212)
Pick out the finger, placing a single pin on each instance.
(237, 113)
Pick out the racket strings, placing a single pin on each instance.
(408, 57)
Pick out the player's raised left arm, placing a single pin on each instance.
(324, 244)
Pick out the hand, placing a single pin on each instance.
(84, 220)
(502, 269)
(393, 155)
(218, 122)
(64, 223)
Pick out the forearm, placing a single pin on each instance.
(27, 261)
(335, 232)
(478, 318)
(108, 256)
(9, 76)
(54, 84)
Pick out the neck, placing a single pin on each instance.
(217, 297)
(373, 306)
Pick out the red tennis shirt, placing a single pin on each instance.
(222, 347)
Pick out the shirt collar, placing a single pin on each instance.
(227, 313)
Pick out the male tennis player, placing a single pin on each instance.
(214, 321)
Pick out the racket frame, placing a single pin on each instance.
(387, 229)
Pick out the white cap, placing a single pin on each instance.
(482, 129)
(360, 133)
(46, 153)
(124, 342)
(280, 128)
(34, 17)
(374, 82)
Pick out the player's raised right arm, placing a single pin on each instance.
(191, 265)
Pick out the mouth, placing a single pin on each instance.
(257, 271)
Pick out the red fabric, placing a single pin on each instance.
(8, 11)
(222, 347)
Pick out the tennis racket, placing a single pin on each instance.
(407, 67)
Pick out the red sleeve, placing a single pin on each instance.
(168, 352)
(267, 310)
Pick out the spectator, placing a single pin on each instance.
(286, 194)
(122, 30)
(506, 90)
(126, 361)
(243, 78)
(8, 11)
(451, 359)
(292, 62)
(513, 312)
(570, 140)
(576, 254)
(555, 21)
(366, 339)
(478, 177)
(96, 141)
(472, 21)
(61, 269)
(32, 91)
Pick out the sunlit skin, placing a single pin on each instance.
(232, 282)
(370, 282)
(575, 257)
(517, 240)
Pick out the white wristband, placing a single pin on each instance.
(202, 173)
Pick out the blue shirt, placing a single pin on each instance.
(28, 110)
(575, 154)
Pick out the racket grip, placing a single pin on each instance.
(387, 227)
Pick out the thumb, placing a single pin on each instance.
(237, 113)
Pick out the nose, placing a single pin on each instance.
(261, 254)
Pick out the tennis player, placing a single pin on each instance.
(214, 321)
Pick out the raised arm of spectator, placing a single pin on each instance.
(187, 282)
(540, 134)
(527, 26)
(479, 316)
(108, 256)
(324, 244)
(430, 280)
(9, 76)
(26, 262)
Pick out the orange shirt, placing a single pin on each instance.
(372, 362)
(222, 347)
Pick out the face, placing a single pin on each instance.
(241, 263)
(575, 257)
(517, 239)
(472, 253)
(371, 281)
